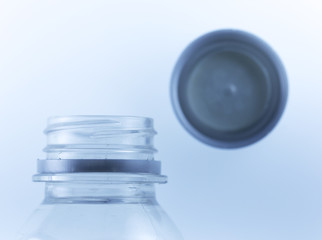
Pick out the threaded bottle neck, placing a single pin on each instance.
(100, 137)
(116, 145)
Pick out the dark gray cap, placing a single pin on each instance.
(229, 88)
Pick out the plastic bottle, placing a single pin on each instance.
(100, 174)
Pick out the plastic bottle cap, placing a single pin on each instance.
(229, 88)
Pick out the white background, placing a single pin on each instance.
(116, 58)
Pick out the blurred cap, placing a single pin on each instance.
(229, 89)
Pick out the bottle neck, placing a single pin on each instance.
(103, 159)
(100, 137)
(97, 144)
(109, 192)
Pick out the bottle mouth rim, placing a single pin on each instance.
(59, 122)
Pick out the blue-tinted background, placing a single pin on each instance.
(116, 57)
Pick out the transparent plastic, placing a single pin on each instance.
(100, 137)
(100, 205)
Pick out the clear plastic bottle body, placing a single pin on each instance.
(100, 205)
(110, 210)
